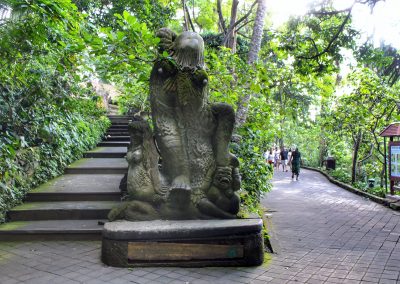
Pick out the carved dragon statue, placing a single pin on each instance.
(198, 177)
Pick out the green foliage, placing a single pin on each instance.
(378, 191)
(214, 41)
(47, 117)
(341, 174)
(154, 14)
(315, 40)
(256, 174)
(124, 55)
(26, 164)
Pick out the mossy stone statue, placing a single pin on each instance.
(197, 178)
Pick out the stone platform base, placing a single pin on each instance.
(189, 243)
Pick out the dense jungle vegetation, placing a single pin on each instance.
(286, 83)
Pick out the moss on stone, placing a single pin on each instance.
(27, 206)
(267, 259)
(12, 225)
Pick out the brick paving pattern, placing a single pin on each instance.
(323, 233)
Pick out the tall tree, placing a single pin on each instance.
(255, 46)
(230, 32)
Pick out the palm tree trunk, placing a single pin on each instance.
(255, 46)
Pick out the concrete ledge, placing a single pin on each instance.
(188, 243)
(380, 200)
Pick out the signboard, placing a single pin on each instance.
(394, 160)
(155, 251)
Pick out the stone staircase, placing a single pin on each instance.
(75, 205)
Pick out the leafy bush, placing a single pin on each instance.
(47, 118)
(341, 174)
(256, 174)
(378, 191)
(25, 163)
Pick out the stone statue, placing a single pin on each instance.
(197, 177)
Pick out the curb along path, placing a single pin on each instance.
(329, 235)
(390, 202)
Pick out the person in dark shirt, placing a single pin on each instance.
(284, 159)
(295, 161)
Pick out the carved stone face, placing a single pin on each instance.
(223, 178)
(188, 49)
(189, 41)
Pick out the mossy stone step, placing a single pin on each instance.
(114, 144)
(117, 132)
(116, 138)
(107, 152)
(115, 122)
(52, 230)
(78, 187)
(118, 127)
(98, 166)
(119, 116)
(61, 210)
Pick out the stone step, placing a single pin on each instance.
(79, 187)
(61, 210)
(121, 124)
(118, 133)
(118, 127)
(121, 120)
(119, 116)
(118, 130)
(98, 166)
(106, 152)
(61, 230)
(116, 138)
(114, 144)
(112, 110)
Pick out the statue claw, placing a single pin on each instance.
(181, 183)
(180, 192)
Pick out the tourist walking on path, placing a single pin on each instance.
(270, 158)
(284, 158)
(295, 162)
(289, 158)
(277, 158)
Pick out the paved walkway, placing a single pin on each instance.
(326, 235)
(329, 235)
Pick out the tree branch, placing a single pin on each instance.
(220, 16)
(232, 27)
(369, 154)
(189, 18)
(186, 26)
(244, 24)
(333, 39)
(328, 13)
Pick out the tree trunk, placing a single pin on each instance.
(221, 22)
(255, 46)
(357, 143)
(189, 19)
(230, 38)
(185, 16)
(258, 30)
(382, 176)
(323, 151)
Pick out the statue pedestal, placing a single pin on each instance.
(188, 243)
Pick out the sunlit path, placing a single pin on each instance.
(328, 234)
